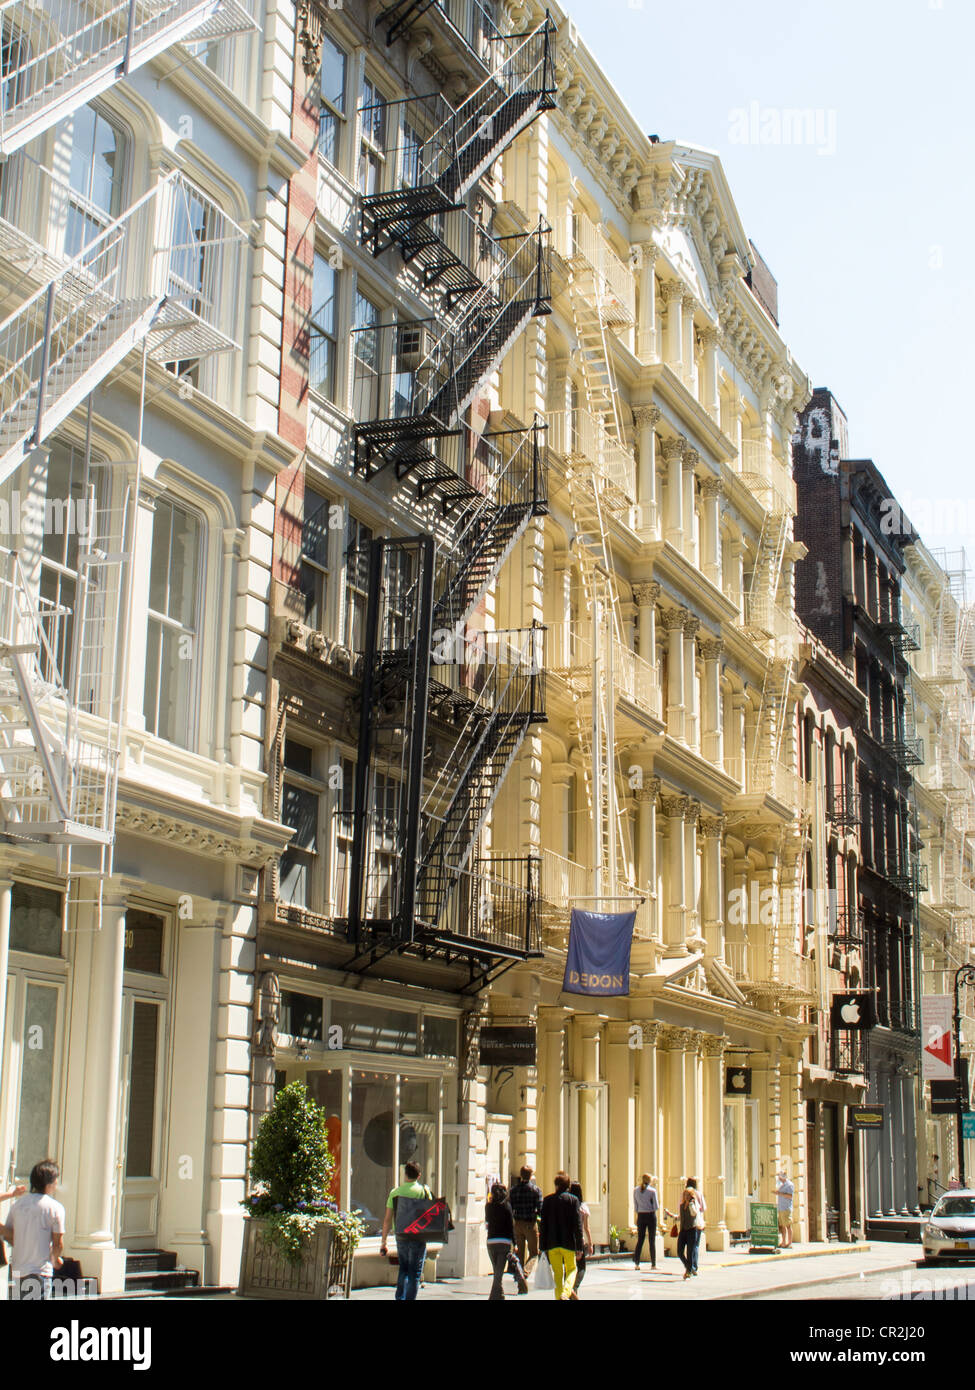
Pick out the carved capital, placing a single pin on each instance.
(712, 487)
(651, 1034)
(712, 648)
(645, 415)
(711, 827)
(710, 336)
(691, 457)
(646, 252)
(673, 449)
(690, 300)
(672, 289)
(675, 807)
(646, 594)
(712, 1046)
(675, 1039)
(673, 618)
(691, 624)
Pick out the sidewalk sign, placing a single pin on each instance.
(765, 1225)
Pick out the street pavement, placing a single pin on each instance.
(834, 1272)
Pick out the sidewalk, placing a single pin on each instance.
(730, 1275)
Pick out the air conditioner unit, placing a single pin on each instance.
(414, 344)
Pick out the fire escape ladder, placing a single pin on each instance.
(59, 54)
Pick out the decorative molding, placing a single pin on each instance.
(157, 826)
(312, 19)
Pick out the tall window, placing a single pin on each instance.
(93, 151)
(408, 171)
(357, 538)
(332, 114)
(314, 557)
(322, 344)
(344, 827)
(299, 810)
(194, 266)
(372, 149)
(172, 641)
(366, 379)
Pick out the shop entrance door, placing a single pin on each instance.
(140, 1122)
(588, 1160)
(32, 1086)
(741, 1162)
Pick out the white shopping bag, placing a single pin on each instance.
(543, 1278)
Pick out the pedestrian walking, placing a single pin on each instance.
(17, 1191)
(646, 1204)
(411, 1251)
(587, 1247)
(560, 1235)
(526, 1208)
(501, 1242)
(35, 1229)
(784, 1195)
(690, 1226)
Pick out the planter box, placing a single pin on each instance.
(264, 1273)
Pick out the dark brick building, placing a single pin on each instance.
(848, 594)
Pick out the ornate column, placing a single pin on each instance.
(694, 1080)
(647, 326)
(712, 887)
(646, 596)
(675, 1042)
(267, 1013)
(794, 1139)
(691, 720)
(673, 292)
(675, 808)
(689, 305)
(647, 418)
(712, 741)
(646, 801)
(735, 917)
(673, 620)
(738, 573)
(648, 1155)
(620, 1070)
(551, 1068)
(689, 467)
(713, 1048)
(693, 940)
(710, 398)
(673, 452)
(712, 490)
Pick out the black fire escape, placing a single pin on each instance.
(445, 706)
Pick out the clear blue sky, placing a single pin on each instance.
(870, 241)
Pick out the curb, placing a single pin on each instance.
(809, 1283)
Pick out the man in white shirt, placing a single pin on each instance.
(35, 1229)
(785, 1191)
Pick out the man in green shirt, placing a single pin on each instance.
(411, 1251)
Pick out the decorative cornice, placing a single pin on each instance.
(156, 826)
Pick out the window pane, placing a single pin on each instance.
(332, 74)
(143, 941)
(293, 879)
(439, 1036)
(373, 1121)
(142, 1090)
(36, 1076)
(300, 812)
(184, 581)
(301, 1015)
(298, 756)
(35, 920)
(371, 1029)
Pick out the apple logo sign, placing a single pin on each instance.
(850, 1012)
(738, 1081)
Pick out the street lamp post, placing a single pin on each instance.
(965, 974)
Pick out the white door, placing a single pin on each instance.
(30, 1120)
(588, 1157)
(742, 1169)
(140, 1122)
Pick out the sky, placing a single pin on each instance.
(865, 220)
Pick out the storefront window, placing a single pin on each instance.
(439, 1036)
(732, 1165)
(367, 1028)
(325, 1088)
(372, 1144)
(301, 1015)
(35, 920)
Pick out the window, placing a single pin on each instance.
(322, 344)
(193, 272)
(439, 1036)
(314, 557)
(357, 539)
(299, 811)
(93, 151)
(332, 114)
(144, 941)
(35, 919)
(366, 376)
(371, 1028)
(372, 150)
(411, 144)
(344, 825)
(301, 1015)
(172, 662)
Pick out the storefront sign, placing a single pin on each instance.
(944, 1094)
(937, 1054)
(738, 1081)
(968, 1125)
(765, 1225)
(866, 1116)
(598, 960)
(852, 1012)
(507, 1046)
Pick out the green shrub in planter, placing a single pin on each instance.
(291, 1171)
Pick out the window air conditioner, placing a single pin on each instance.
(414, 344)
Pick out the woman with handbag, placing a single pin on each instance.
(690, 1225)
(587, 1246)
(501, 1242)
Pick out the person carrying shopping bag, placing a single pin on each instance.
(561, 1235)
(690, 1221)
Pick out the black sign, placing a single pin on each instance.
(866, 1116)
(738, 1081)
(852, 1012)
(507, 1046)
(944, 1094)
